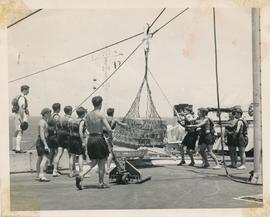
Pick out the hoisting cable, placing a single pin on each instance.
(23, 18)
(110, 75)
(218, 104)
(169, 21)
(157, 17)
(87, 54)
(76, 58)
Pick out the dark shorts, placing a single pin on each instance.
(207, 139)
(230, 141)
(242, 141)
(97, 147)
(52, 142)
(76, 146)
(190, 140)
(63, 140)
(41, 148)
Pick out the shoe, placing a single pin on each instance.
(217, 167)
(78, 183)
(44, 179)
(181, 163)
(20, 151)
(205, 166)
(102, 186)
(56, 174)
(192, 164)
(242, 167)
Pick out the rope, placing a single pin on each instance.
(157, 18)
(169, 21)
(24, 18)
(163, 93)
(218, 104)
(110, 75)
(76, 58)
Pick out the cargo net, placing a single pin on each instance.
(147, 131)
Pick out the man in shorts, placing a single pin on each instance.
(78, 139)
(21, 118)
(63, 137)
(42, 145)
(97, 147)
(207, 137)
(53, 123)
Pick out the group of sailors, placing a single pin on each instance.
(89, 137)
(200, 135)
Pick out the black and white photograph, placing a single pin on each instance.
(135, 108)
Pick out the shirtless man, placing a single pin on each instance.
(112, 122)
(42, 145)
(97, 147)
(21, 116)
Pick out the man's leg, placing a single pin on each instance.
(190, 154)
(204, 155)
(39, 159)
(101, 172)
(42, 166)
(242, 154)
(71, 163)
(182, 154)
(56, 161)
(211, 153)
(18, 140)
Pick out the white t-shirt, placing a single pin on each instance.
(22, 103)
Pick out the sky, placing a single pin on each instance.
(181, 57)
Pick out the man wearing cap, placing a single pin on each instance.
(21, 119)
(240, 136)
(42, 145)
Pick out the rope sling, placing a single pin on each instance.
(148, 131)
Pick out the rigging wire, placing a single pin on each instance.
(23, 18)
(157, 17)
(76, 58)
(169, 21)
(84, 55)
(110, 75)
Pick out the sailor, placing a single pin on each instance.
(97, 147)
(207, 137)
(112, 122)
(190, 138)
(78, 138)
(20, 108)
(52, 135)
(42, 145)
(228, 135)
(63, 136)
(241, 137)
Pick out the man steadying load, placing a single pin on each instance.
(112, 122)
(190, 138)
(207, 137)
(42, 145)
(20, 108)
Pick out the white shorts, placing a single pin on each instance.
(18, 122)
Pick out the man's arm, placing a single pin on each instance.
(21, 103)
(120, 123)
(199, 124)
(42, 134)
(239, 125)
(107, 126)
(81, 132)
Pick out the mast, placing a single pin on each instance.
(256, 68)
